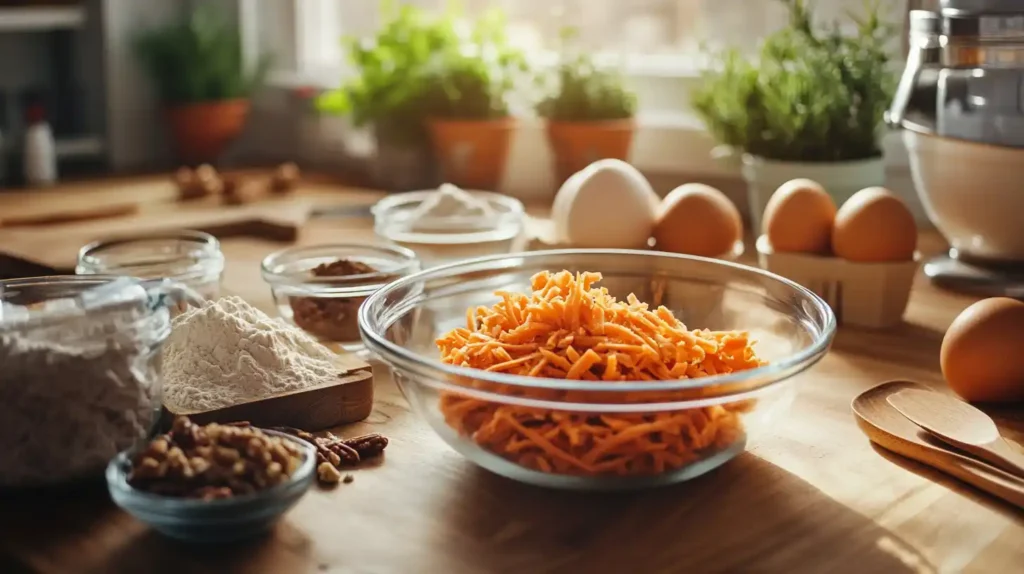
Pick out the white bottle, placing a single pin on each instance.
(40, 151)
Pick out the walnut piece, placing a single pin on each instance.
(213, 461)
(327, 473)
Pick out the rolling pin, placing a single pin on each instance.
(87, 214)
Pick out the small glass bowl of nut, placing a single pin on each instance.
(212, 483)
(320, 288)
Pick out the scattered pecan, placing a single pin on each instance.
(368, 445)
(298, 433)
(340, 452)
(347, 455)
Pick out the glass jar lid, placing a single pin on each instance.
(182, 255)
(90, 305)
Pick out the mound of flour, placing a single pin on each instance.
(228, 352)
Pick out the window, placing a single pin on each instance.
(657, 42)
(655, 36)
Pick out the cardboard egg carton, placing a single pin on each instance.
(872, 295)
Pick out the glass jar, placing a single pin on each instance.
(191, 258)
(81, 374)
(326, 306)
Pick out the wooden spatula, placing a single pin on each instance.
(958, 424)
(889, 429)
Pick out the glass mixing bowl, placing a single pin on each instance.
(793, 329)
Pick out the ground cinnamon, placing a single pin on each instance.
(335, 318)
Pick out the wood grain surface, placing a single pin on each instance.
(812, 496)
(347, 400)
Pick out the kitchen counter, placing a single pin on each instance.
(813, 496)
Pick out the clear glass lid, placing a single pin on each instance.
(448, 215)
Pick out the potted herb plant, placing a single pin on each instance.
(590, 114)
(202, 80)
(809, 105)
(387, 91)
(470, 123)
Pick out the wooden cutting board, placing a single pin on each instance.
(347, 400)
(57, 247)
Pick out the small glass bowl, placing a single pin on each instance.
(192, 258)
(453, 238)
(793, 329)
(211, 521)
(326, 307)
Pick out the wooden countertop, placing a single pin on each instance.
(812, 496)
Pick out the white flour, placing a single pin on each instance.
(228, 352)
(75, 393)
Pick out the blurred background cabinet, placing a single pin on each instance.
(50, 53)
(76, 57)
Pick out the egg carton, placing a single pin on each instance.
(871, 295)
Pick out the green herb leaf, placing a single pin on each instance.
(810, 95)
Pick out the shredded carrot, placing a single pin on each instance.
(570, 329)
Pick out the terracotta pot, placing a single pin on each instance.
(403, 162)
(472, 153)
(579, 144)
(203, 131)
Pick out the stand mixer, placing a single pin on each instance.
(960, 106)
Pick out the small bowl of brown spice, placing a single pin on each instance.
(212, 483)
(319, 289)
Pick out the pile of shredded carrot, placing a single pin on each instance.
(569, 329)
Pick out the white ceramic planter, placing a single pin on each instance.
(841, 179)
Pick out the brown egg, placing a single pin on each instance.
(697, 219)
(874, 226)
(982, 355)
(799, 217)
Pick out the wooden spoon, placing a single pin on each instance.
(886, 427)
(959, 424)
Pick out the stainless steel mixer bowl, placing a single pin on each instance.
(971, 192)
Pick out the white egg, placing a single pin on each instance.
(560, 208)
(609, 204)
